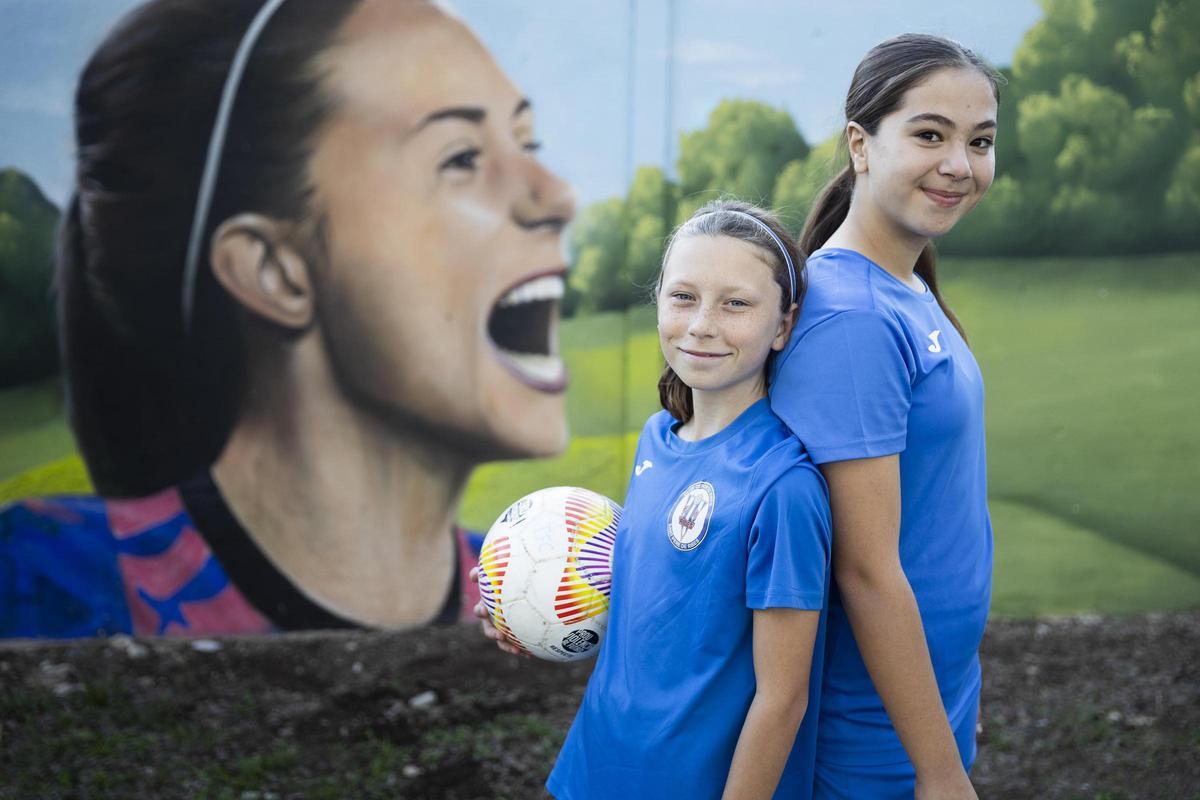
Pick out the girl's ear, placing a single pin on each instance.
(255, 262)
(785, 328)
(856, 142)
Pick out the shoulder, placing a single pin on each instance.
(789, 469)
(658, 423)
(785, 468)
(837, 281)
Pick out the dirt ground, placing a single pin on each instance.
(1102, 709)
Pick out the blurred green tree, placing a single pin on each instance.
(802, 180)
(741, 151)
(28, 343)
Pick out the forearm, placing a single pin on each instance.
(887, 627)
(763, 746)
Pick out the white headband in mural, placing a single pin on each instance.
(216, 145)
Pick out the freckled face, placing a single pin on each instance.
(439, 303)
(932, 159)
(718, 314)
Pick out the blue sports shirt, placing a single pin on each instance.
(712, 530)
(875, 368)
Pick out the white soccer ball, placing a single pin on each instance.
(545, 571)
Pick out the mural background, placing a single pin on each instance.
(1077, 278)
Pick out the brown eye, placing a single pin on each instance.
(463, 160)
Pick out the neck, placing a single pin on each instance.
(354, 509)
(713, 411)
(865, 230)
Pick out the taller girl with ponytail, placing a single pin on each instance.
(879, 384)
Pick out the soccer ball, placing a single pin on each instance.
(545, 571)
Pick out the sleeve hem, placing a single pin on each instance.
(868, 449)
(785, 598)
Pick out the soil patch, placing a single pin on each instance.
(1085, 707)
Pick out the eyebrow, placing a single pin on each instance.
(949, 123)
(472, 114)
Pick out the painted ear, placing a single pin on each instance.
(856, 142)
(253, 259)
(785, 328)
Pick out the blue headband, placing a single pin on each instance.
(787, 259)
(216, 145)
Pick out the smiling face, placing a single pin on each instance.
(930, 160)
(719, 314)
(439, 301)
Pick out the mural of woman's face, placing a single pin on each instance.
(439, 301)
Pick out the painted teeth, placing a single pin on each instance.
(549, 287)
(544, 368)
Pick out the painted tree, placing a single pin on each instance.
(28, 220)
(741, 151)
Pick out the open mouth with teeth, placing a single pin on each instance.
(523, 328)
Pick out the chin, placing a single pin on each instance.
(541, 440)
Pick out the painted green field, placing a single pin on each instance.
(1093, 435)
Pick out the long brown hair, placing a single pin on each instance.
(149, 405)
(886, 72)
(728, 217)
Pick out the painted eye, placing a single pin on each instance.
(463, 159)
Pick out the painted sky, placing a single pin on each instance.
(613, 81)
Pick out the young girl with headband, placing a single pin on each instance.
(880, 385)
(721, 563)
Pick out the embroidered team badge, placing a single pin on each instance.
(687, 524)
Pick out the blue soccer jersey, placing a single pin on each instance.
(876, 368)
(712, 530)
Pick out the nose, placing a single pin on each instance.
(956, 164)
(700, 323)
(546, 202)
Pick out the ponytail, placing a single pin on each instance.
(675, 395)
(828, 212)
(141, 416)
(926, 268)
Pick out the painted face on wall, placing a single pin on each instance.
(439, 303)
(718, 313)
(932, 159)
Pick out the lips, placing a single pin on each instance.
(523, 328)
(701, 354)
(943, 198)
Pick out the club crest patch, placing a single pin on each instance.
(687, 524)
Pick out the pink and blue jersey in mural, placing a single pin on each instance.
(175, 563)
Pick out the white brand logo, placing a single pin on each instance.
(936, 347)
(642, 467)
(687, 524)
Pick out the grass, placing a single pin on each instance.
(1055, 567)
(1092, 379)
(32, 427)
(1091, 371)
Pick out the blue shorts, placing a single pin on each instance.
(884, 781)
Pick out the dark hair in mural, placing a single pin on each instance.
(882, 78)
(150, 405)
(727, 217)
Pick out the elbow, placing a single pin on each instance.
(788, 708)
(857, 578)
(793, 712)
